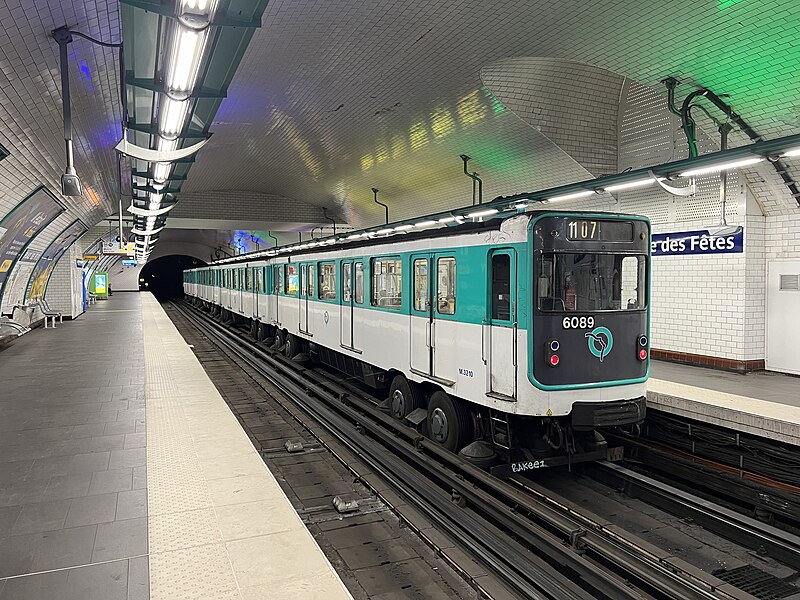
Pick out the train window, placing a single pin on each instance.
(259, 280)
(591, 282)
(446, 286)
(327, 281)
(248, 284)
(359, 291)
(311, 281)
(387, 283)
(277, 274)
(421, 284)
(501, 287)
(292, 280)
(347, 269)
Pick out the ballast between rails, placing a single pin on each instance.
(607, 561)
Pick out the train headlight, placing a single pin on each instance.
(642, 353)
(554, 360)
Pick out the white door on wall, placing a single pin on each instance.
(783, 316)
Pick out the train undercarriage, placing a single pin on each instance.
(502, 443)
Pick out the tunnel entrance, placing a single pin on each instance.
(164, 276)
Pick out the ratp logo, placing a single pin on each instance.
(600, 342)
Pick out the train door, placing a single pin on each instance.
(346, 305)
(304, 274)
(500, 325)
(277, 288)
(421, 315)
(358, 303)
(444, 326)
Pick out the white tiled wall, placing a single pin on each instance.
(65, 288)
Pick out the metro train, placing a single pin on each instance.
(510, 339)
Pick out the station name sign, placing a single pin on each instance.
(696, 242)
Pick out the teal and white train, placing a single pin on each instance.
(511, 339)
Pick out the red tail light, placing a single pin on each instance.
(642, 354)
(554, 360)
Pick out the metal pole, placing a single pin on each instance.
(375, 198)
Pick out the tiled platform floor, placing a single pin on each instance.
(73, 498)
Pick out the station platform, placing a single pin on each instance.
(762, 403)
(124, 475)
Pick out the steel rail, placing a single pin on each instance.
(528, 575)
(781, 545)
(540, 524)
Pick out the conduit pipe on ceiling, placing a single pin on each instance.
(375, 199)
(688, 125)
(325, 214)
(475, 180)
(269, 235)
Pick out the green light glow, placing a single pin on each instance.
(442, 123)
(728, 3)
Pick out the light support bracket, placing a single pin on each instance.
(130, 149)
(143, 212)
(689, 190)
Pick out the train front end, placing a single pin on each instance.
(588, 337)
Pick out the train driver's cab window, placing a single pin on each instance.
(387, 283)
(359, 284)
(446, 286)
(292, 280)
(591, 282)
(501, 287)
(277, 276)
(327, 281)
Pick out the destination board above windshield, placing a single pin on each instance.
(584, 230)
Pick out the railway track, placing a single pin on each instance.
(539, 547)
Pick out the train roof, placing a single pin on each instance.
(368, 237)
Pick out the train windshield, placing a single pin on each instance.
(585, 282)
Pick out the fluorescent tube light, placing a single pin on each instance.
(521, 205)
(404, 227)
(185, 62)
(571, 196)
(382, 231)
(482, 213)
(721, 167)
(425, 223)
(792, 152)
(630, 185)
(171, 116)
(352, 237)
(447, 220)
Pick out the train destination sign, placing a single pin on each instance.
(696, 242)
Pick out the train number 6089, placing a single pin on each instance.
(578, 323)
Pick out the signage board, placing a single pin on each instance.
(90, 257)
(696, 242)
(119, 248)
(23, 224)
(47, 262)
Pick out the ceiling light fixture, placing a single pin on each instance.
(425, 223)
(185, 62)
(171, 116)
(571, 196)
(629, 185)
(721, 167)
(482, 213)
(405, 227)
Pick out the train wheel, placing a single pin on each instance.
(292, 346)
(449, 421)
(404, 396)
(279, 340)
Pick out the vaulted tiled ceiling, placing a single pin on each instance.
(333, 98)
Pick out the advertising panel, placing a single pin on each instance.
(23, 224)
(15, 287)
(47, 262)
